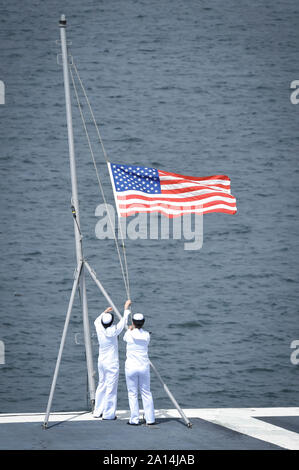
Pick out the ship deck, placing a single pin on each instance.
(219, 428)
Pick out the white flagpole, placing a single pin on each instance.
(75, 202)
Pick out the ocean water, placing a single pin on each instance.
(192, 87)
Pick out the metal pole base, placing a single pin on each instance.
(62, 342)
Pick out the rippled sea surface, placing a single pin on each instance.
(199, 88)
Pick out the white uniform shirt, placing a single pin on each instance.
(137, 347)
(108, 338)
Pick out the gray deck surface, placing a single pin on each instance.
(291, 423)
(109, 435)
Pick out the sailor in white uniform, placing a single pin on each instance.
(108, 364)
(137, 370)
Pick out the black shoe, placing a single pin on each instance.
(98, 416)
(133, 424)
(151, 424)
(109, 419)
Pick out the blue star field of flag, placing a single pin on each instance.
(135, 178)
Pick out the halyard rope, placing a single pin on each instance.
(124, 267)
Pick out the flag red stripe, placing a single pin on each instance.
(195, 178)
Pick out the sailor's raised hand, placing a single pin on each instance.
(108, 309)
(127, 304)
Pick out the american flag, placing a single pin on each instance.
(143, 189)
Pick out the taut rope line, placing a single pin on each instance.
(124, 270)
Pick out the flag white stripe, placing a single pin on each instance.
(168, 187)
(178, 203)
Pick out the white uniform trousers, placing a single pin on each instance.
(139, 380)
(106, 393)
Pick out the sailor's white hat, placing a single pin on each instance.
(138, 316)
(107, 318)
